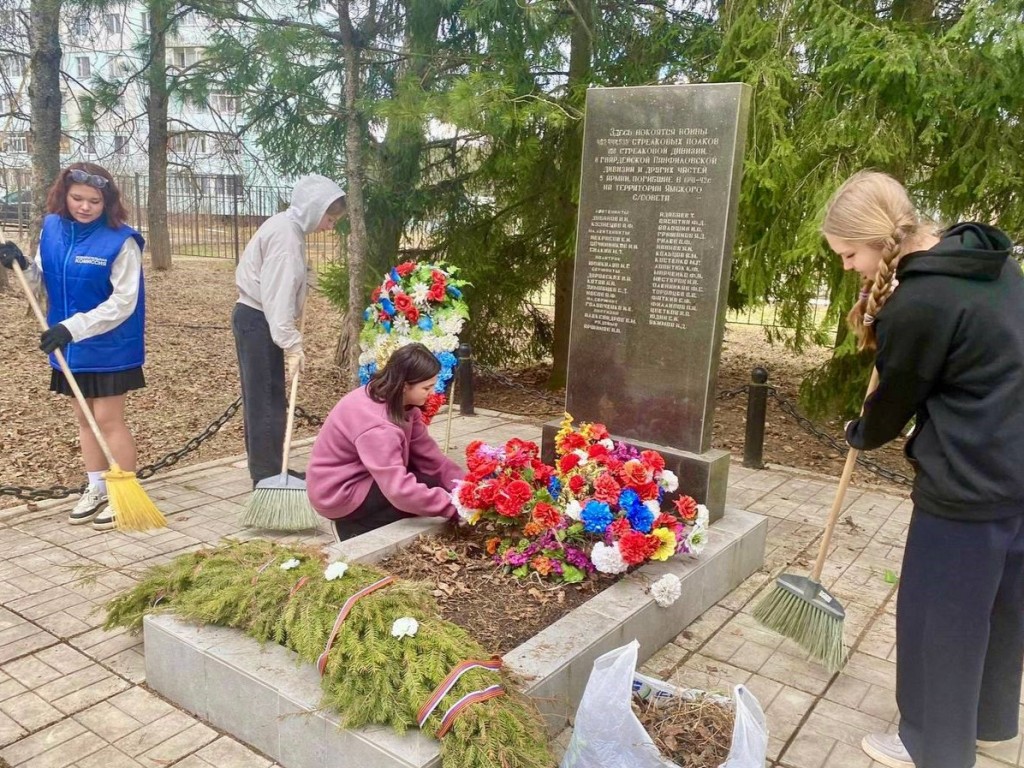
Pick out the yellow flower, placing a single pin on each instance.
(667, 548)
(564, 430)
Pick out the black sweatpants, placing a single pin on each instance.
(376, 511)
(264, 403)
(959, 637)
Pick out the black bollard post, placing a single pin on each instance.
(757, 408)
(466, 381)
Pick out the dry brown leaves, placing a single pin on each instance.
(692, 734)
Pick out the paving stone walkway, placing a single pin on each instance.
(74, 695)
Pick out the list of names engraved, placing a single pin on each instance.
(677, 281)
(606, 291)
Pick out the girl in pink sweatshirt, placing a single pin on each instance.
(374, 462)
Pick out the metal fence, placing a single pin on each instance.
(208, 215)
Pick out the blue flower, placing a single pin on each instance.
(554, 487)
(394, 275)
(387, 306)
(641, 518)
(454, 292)
(425, 323)
(366, 372)
(447, 360)
(366, 314)
(386, 325)
(629, 500)
(596, 516)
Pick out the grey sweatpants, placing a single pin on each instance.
(264, 403)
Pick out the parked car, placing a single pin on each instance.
(15, 208)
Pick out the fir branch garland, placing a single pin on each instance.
(370, 677)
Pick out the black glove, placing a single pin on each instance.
(10, 253)
(53, 338)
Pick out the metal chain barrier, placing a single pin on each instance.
(841, 447)
(168, 460)
(507, 381)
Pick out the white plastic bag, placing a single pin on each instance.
(607, 734)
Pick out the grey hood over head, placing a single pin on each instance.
(312, 196)
(272, 272)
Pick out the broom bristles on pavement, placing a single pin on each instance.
(133, 509)
(279, 509)
(813, 629)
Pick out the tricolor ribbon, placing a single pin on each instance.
(470, 698)
(321, 662)
(449, 682)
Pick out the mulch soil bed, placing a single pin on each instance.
(497, 609)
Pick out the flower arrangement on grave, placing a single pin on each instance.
(597, 509)
(616, 492)
(383, 653)
(414, 303)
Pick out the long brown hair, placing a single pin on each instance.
(872, 208)
(410, 364)
(113, 209)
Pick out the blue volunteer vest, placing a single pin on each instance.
(77, 262)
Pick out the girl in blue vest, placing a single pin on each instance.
(90, 263)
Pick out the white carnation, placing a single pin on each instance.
(703, 516)
(335, 570)
(584, 458)
(607, 443)
(653, 507)
(666, 590)
(574, 510)
(697, 539)
(406, 626)
(366, 357)
(668, 480)
(608, 559)
(451, 325)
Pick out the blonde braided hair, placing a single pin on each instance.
(875, 209)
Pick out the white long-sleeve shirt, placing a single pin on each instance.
(126, 278)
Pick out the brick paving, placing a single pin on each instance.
(72, 694)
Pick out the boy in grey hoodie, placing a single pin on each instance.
(272, 285)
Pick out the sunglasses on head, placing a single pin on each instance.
(79, 176)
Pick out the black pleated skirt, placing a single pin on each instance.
(99, 384)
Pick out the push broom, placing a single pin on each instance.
(280, 503)
(133, 509)
(799, 607)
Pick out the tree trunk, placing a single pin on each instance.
(158, 237)
(45, 99)
(580, 56)
(357, 245)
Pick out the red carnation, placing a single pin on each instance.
(486, 493)
(620, 527)
(546, 515)
(606, 489)
(436, 293)
(512, 498)
(648, 491)
(437, 277)
(597, 451)
(572, 442)
(412, 315)
(405, 268)
(599, 432)
(666, 521)
(375, 294)
(467, 496)
(541, 472)
(568, 463)
(686, 506)
(389, 284)
(653, 459)
(429, 410)
(576, 483)
(634, 473)
(636, 547)
(403, 303)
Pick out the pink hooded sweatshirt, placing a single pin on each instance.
(358, 444)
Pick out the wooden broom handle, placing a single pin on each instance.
(290, 424)
(37, 310)
(844, 482)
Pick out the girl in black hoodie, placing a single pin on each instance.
(945, 315)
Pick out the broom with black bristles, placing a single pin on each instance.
(133, 509)
(799, 607)
(280, 502)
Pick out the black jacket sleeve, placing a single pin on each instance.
(914, 337)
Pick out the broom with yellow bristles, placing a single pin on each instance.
(133, 509)
(799, 607)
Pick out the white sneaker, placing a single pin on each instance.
(887, 749)
(982, 744)
(104, 521)
(92, 501)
